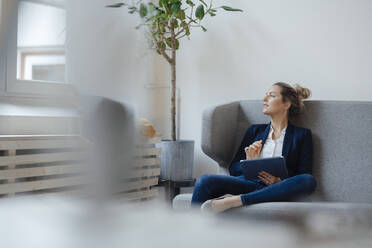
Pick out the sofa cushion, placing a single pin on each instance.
(182, 202)
(341, 212)
(296, 210)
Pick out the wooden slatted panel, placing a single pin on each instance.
(147, 162)
(148, 152)
(10, 153)
(153, 141)
(146, 168)
(68, 192)
(141, 194)
(27, 125)
(40, 184)
(150, 172)
(41, 158)
(38, 146)
(128, 186)
(22, 142)
(41, 171)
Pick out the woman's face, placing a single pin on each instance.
(273, 102)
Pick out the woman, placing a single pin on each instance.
(277, 138)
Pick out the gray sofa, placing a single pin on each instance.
(342, 140)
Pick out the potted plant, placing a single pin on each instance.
(168, 21)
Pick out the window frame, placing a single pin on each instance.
(13, 85)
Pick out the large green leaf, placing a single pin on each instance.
(143, 10)
(199, 13)
(161, 28)
(189, 2)
(181, 15)
(116, 5)
(164, 4)
(169, 43)
(176, 7)
(162, 45)
(227, 8)
(132, 10)
(186, 27)
(175, 23)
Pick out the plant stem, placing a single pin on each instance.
(173, 85)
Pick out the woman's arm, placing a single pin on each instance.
(247, 140)
(235, 168)
(306, 154)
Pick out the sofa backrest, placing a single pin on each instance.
(342, 140)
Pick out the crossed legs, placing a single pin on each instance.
(251, 191)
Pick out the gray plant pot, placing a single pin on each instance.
(177, 159)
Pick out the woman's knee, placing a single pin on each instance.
(204, 180)
(308, 181)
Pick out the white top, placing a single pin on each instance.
(273, 148)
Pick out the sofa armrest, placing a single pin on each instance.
(219, 125)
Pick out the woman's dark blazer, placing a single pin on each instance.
(297, 148)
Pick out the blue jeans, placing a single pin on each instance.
(252, 191)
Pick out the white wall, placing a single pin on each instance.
(2, 49)
(323, 45)
(106, 56)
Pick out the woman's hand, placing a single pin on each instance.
(267, 178)
(253, 151)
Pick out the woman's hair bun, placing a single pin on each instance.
(301, 92)
(294, 94)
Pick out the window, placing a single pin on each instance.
(36, 56)
(41, 36)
